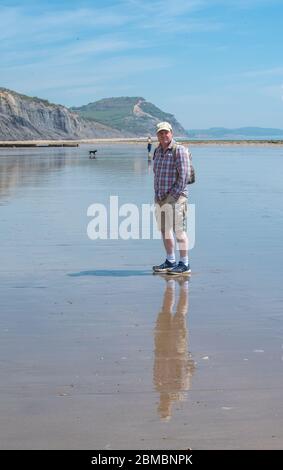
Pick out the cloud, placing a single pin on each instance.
(273, 91)
(173, 16)
(250, 4)
(104, 44)
(17, 22)
(60, 81)
(252, 76)
(65, 37)
(274, 71)
(167, 7)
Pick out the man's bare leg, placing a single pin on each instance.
(169, 244)
(183, 244)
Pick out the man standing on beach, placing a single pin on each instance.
(171, 173)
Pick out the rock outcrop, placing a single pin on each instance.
(26, 118)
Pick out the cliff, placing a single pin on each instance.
(23, 118)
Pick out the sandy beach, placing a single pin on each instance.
(135, 141)
(96, 352)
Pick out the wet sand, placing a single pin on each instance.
(136, 141)
(96, 352)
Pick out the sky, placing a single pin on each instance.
(211, 63)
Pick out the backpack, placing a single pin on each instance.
(192, 176)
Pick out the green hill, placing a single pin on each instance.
(130, 115)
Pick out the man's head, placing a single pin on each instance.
(164, 133)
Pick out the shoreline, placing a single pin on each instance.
(142, 140)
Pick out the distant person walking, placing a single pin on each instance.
(172, 172)
(149, 145)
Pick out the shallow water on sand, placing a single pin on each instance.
(95, 351)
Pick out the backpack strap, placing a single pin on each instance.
(175, 151)
(191, 177)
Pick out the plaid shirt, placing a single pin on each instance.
(170, 174)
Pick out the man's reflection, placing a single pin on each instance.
(173, 366)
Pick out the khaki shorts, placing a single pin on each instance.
(171, 214)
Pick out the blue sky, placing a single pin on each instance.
(209, 62)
